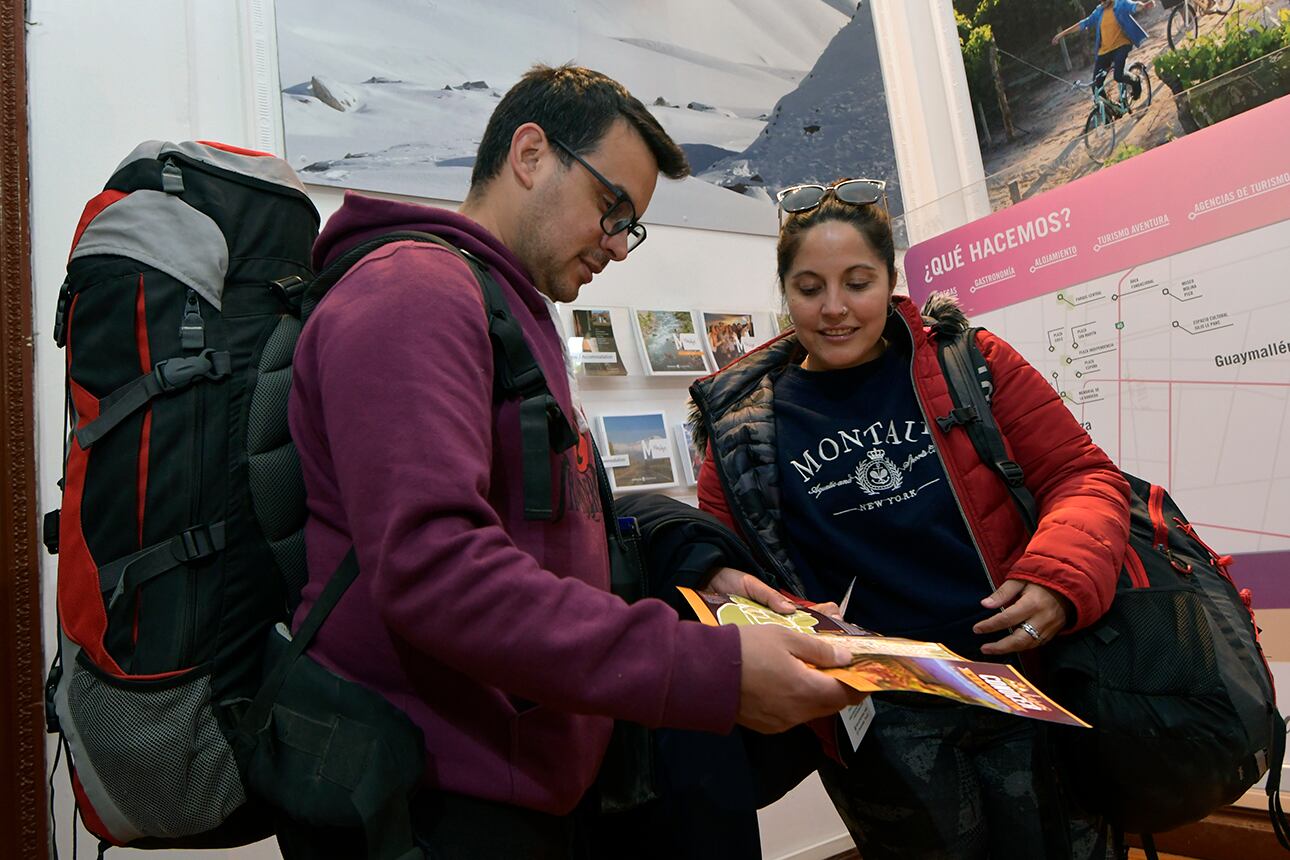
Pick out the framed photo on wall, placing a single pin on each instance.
(729, 336)
(670, 343)
(394, 95)
(637, 451)
(594, 344)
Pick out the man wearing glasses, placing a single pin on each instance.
(494, 632)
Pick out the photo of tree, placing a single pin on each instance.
(670, 343)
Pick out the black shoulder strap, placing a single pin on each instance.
(544, 428)
(971, 386)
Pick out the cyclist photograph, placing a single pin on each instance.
(1114, 36)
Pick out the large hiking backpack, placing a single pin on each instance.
(1172, 678)
(179, 537)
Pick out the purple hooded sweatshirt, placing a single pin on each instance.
(497, 635)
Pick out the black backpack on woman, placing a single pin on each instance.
(1172, 678)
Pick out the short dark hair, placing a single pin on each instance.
(576, 106)
(870, 220)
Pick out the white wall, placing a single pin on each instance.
(104, 76)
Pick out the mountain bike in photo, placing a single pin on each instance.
(1184, 19)
(1100, 127)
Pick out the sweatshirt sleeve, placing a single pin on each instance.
(403, 369)
(1079, 545)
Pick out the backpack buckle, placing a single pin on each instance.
(172, 178)
(962, 415)
(1011, 472)
(196, 542)
(176, 373)
(52, 725)
(60, 317)
(49, 530)
(288, 290)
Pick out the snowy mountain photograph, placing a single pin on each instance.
(393, 95)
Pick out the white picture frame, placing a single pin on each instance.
(671, 342)
(637, 450)
(691, 456)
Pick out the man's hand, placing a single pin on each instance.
(1058, 37)
(1037, 614)
(777, 690)
(727, 580)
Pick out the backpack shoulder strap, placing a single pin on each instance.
(971, 387)
(544, 428)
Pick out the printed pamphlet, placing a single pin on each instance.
(885, 663)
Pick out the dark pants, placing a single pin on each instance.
(454, 827)
(936, 780)
(1114, 62)
(707, 804)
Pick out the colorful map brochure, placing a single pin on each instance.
(883, 663)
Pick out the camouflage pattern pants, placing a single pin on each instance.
(938, 780)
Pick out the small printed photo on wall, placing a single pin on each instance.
(670, 343)
(638, 451)
(729, 336)
(594, 345)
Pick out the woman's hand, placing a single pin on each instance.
(1035, 615)
(727, 580)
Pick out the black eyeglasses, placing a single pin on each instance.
(621, 214)
(858, 192)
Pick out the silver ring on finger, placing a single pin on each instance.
(1029, 630)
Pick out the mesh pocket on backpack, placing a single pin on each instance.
(156, 749)
(1168, 625)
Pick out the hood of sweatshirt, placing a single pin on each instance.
(361, 218)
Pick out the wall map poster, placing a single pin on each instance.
(1155, 297)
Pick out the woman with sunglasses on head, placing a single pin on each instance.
(825, 453)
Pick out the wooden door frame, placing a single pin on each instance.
(24, 830)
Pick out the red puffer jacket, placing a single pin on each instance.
(1079, 545)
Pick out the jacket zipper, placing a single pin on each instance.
(1156, 507)
(1160, 539)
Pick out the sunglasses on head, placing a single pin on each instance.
(621, 214)
(803, 198)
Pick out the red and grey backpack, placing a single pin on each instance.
(180, 539)
(180, 536)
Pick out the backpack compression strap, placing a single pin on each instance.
(544, 429)
(172, 374)
(971, 385)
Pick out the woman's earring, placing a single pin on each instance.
(891, 309)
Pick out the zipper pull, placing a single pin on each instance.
(192, 331)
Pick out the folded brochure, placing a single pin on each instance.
(887, 663)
